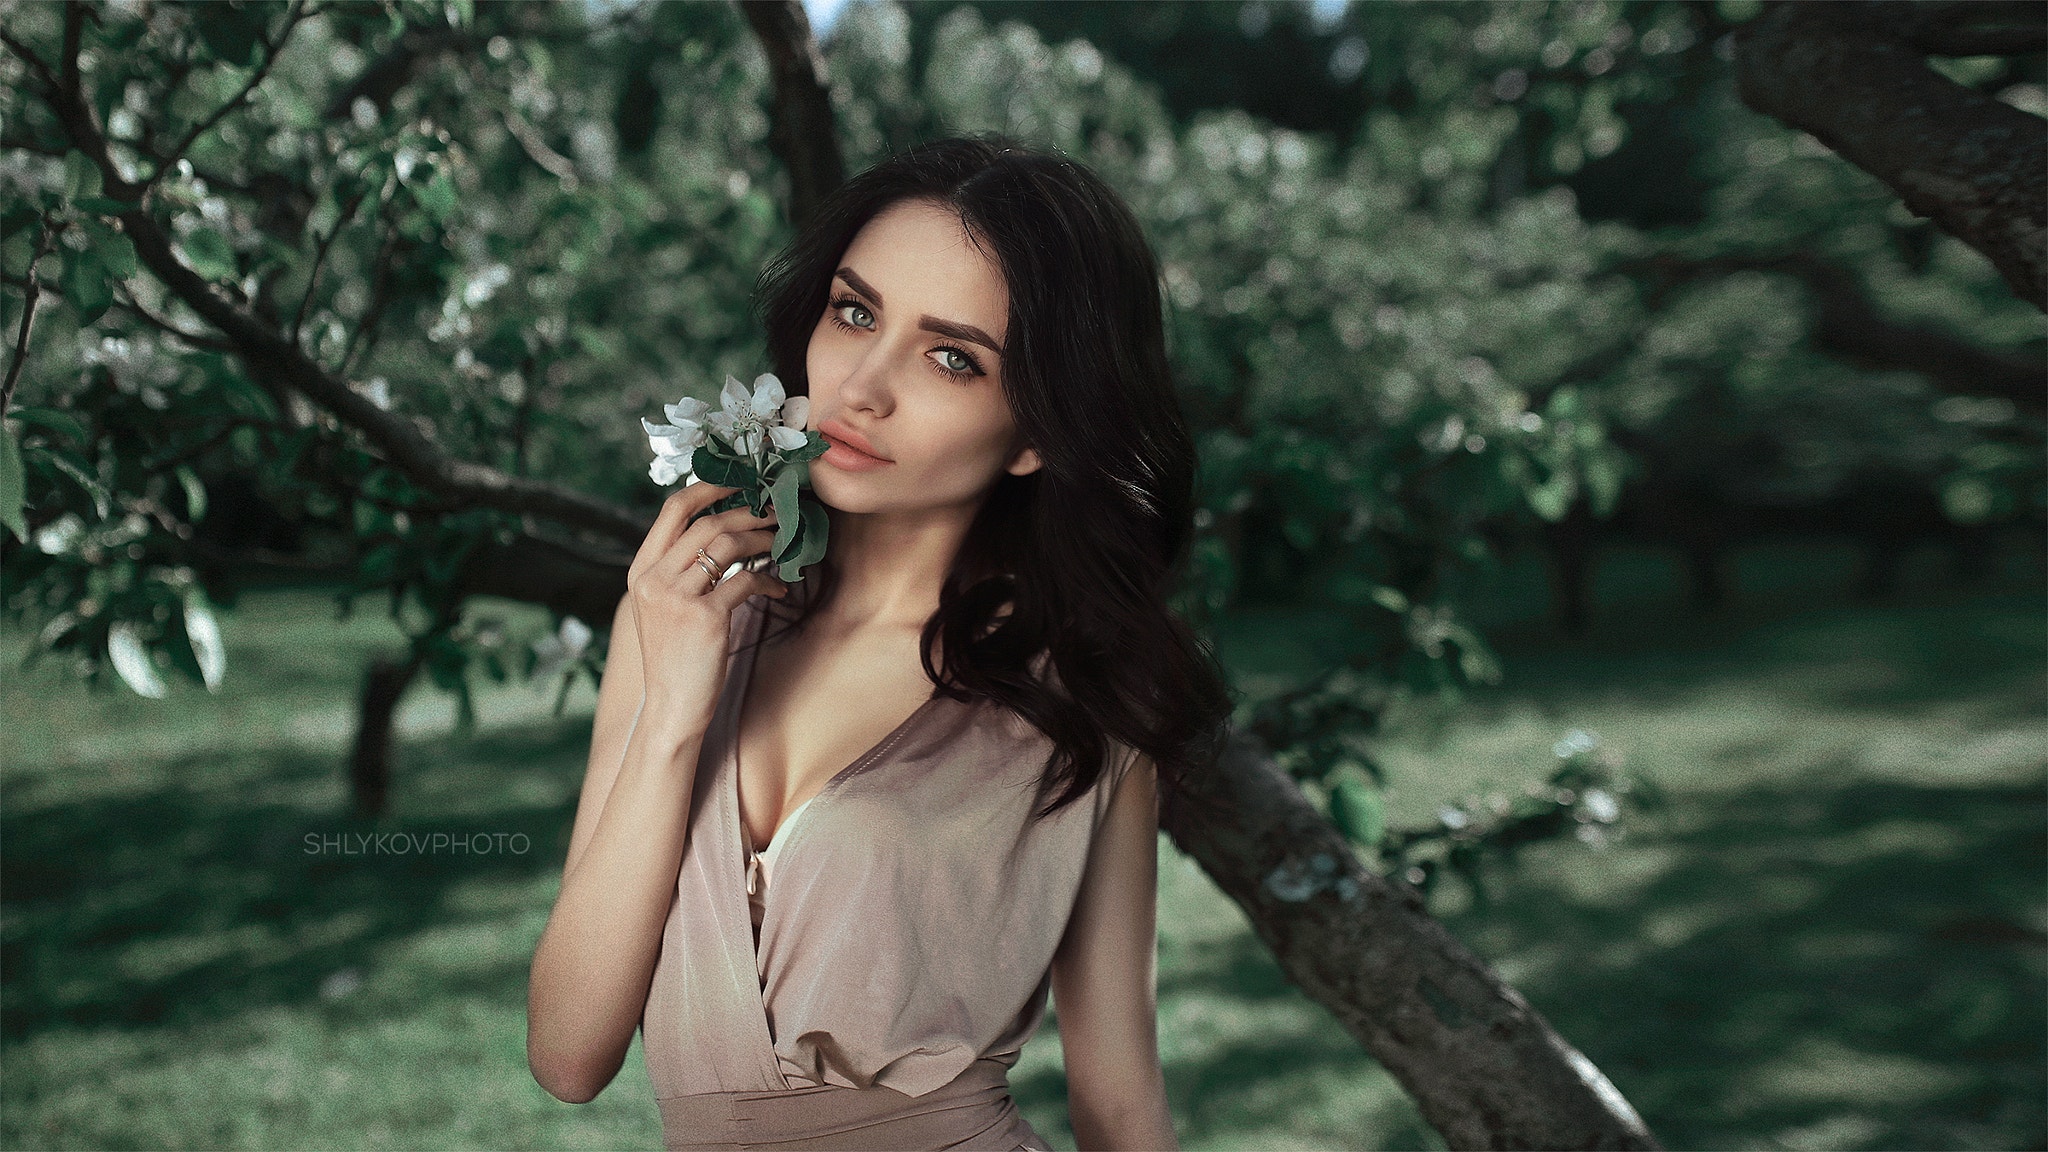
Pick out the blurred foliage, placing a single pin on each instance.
(1410, 288)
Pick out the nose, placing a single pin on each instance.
(867, 387)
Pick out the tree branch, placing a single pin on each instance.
(34, 62)
(45, 239)
(398, 440)
(269, 354)
(127, 300)
(800, 119)
(271, 48)
(348, 214)
(1966, 27)
(1849, 327)
(552, 162)
(1853, 76)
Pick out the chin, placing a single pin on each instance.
(835, 492)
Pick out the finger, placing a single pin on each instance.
(706, 534)
(725, 549)
(730, 548)
(742, 584)
(677, 512)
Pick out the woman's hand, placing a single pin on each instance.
(683, 628)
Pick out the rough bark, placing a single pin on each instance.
(1483, 1066)
(1856, 77)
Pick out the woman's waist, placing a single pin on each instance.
(976, 1103)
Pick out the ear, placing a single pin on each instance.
(1024, 462)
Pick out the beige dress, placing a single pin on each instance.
(908, 917)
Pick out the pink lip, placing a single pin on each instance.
(840, 433)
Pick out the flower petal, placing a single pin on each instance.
(796, 412)
(787, 439)
(663, 470)
(662, 437)
(768, 395)
(688, 410)
(733, 397)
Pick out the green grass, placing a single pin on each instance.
(1831, 937)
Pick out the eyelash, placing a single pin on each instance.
(845, 301)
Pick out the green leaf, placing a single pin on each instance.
(437, 196)
(209, 254)
(378, 565)
(1358, 811)
(56, 420)
(246, 398)
(812, 550)
(814, 447)
(114, 249)
(85, 286)
(786, 496)
(716, 469)
(195, 493)
(1389, 598)
(1604, 469)
(104, 205)
(131, 660)
(12, 484)
(1553, 498)
(202, 632)
(81, 175)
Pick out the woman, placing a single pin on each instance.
(952, 754)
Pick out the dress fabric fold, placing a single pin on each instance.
(905, 942)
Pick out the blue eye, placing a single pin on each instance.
(848, 303)
(972, 366)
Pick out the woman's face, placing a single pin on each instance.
(907, 355)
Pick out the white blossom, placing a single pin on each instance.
(749, 420)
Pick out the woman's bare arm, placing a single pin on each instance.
(596, 958)
(1105, 980)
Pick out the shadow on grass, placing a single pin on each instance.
(1819, 965)
(213, 892)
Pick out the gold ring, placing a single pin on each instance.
(709, 566)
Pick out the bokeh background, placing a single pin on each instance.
(1620, 512)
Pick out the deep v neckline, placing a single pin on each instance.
(734, 867)
(860, 763)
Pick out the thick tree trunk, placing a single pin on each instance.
(1568, 547)
(1481, 1064)
(800, 121)
(369, 762)
(1856, 77)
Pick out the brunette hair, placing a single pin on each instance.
(1087, 548)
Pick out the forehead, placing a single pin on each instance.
(919, 256)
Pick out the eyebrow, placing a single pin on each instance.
(927, 322)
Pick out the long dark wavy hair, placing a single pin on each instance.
(1087, 548)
